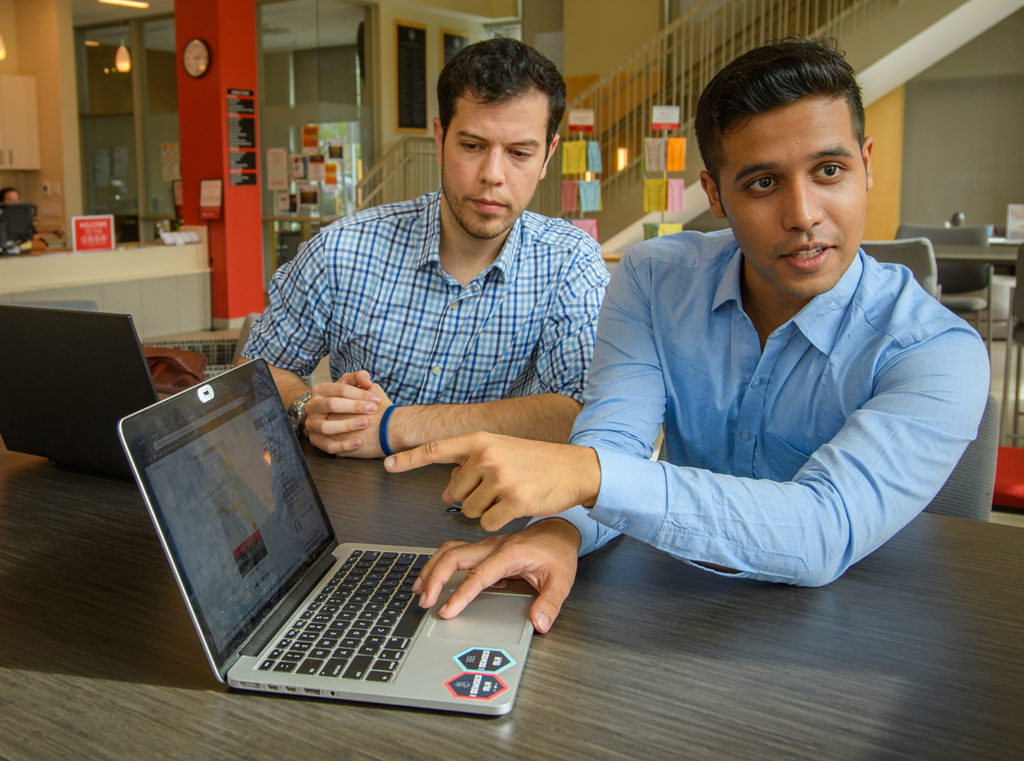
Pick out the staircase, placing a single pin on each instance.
(887, 41)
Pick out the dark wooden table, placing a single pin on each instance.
(915, 653)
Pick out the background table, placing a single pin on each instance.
(914, 653)
(1001, 255)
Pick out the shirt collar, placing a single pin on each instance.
(729, 286)
(820, 320)
(431, 251)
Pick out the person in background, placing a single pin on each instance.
(454, 312)
(11, 195)
(810, 401)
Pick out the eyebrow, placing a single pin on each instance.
(525, 143)
(835, 151)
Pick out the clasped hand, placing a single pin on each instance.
(500, 478)
(343, 417)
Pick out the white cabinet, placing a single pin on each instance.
(19, 123)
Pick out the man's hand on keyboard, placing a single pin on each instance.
(544, 554)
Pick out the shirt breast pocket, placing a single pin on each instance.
(779, 460)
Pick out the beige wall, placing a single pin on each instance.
(44, 27)
(383, 75)
(884, 123)
(594, 43)
(964, 139)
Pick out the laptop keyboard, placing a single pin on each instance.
(359, 625)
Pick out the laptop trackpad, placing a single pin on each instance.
(492, 617)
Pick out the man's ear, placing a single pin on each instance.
(438, 139)
(551, 152)
(865, 152)
(711, 190)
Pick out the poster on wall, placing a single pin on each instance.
(309, 195)
(299, 165)
(277, 169)
(411, 75)
(211, 195)
(310, 138)
(170, 162)
(241, 114)
(286, 203)
(316, 172)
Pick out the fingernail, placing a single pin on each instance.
(416, 586)
(389, 462)
(369, 408)
(543, 623)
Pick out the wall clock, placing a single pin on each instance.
(195, 57)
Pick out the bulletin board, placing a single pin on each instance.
(451, 43)
(411, 76)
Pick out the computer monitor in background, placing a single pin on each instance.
(16, 226)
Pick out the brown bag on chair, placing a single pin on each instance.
(174, 369)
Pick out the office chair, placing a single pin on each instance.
(1014, 340)
(243, 335)
(914, 253)
(968, 491)
(960, 283)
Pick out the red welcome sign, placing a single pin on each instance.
(93, 233)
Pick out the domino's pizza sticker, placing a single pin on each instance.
(484, 659)
(474, 686)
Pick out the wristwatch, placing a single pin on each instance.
(297, 414)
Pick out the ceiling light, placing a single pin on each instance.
(91, 44)
(127, 3)
(3, 49)
(123, 60)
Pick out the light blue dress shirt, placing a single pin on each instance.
(788, 464)
(369, 291)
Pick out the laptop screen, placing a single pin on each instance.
(230, 491)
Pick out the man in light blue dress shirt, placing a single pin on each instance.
(813, 400)
(454, 312)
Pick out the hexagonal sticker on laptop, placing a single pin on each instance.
(476, 686)
(484, 659)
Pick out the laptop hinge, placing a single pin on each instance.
(286, 607)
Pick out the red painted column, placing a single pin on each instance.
(207, 129)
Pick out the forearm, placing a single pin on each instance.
(289, 385)
(543, 417)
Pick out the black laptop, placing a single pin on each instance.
(68, 377)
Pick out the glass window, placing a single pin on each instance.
(129, 124)
(314, 104)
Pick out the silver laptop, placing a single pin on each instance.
(279, 603)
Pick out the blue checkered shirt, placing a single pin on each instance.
(370, 293)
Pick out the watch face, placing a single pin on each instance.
(196, 57)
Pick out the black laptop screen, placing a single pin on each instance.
(229, 489)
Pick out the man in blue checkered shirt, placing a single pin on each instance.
(454, 312)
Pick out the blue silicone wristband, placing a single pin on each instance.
(382, 432)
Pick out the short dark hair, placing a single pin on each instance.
(497, 70)
(4, 192)
(768, 77)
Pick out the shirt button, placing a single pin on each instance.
(758, 381)
(745, 436)
(621, 526)
(435, 370)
